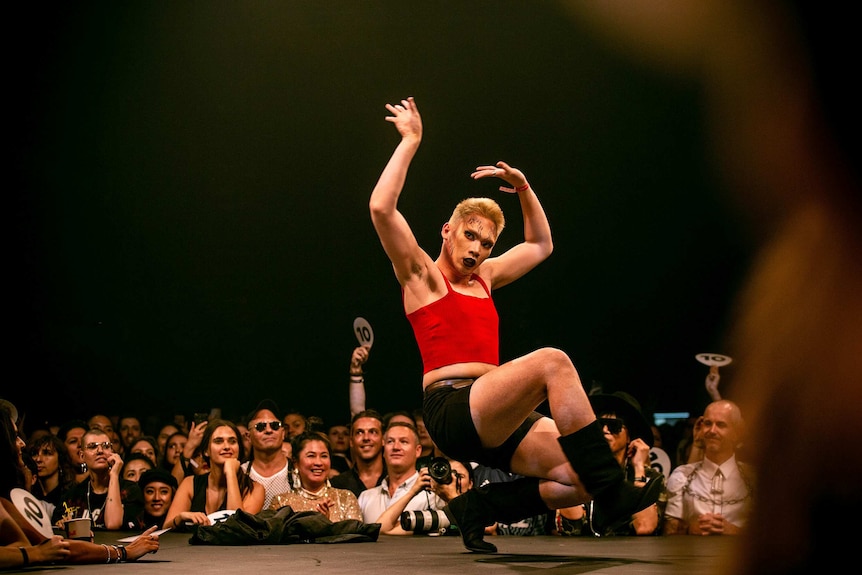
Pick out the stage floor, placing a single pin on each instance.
(424, 555)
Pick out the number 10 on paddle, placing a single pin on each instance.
(364, 333)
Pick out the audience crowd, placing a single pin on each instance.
(121, 473)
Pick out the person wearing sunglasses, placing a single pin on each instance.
(268, 463)
(630, 438)
(110, 501)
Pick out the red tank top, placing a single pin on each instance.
(457, 328)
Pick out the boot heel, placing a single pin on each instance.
(465, 512)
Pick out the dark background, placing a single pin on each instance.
(190, 186)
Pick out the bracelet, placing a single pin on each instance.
(124, 556)
(523, 188)
(24, 556)
(641, 479)
(107, 552)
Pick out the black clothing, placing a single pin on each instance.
(350, 480)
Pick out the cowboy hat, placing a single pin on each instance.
(627, 408)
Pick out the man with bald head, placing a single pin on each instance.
(712, 496)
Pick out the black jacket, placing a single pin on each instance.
(281, 527)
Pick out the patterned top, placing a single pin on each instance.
(346, 506)
(277, 483)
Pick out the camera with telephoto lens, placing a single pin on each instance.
(439, 468)
(426, 521)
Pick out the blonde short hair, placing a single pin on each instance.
(485, 207)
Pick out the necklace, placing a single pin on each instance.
(748, 487)
(313, 494)
(95, 516)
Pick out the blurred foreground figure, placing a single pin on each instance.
(781, 108)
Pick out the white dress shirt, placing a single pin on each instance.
(697, 488)
(374, 501)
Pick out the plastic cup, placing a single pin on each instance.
(78, 529)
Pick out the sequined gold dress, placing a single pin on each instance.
(345, 504)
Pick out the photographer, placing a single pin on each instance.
(405, 487)
(449, 479)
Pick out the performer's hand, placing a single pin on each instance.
(406, 118)
(502, 170)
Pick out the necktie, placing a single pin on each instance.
(717, 490)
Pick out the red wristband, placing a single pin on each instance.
(523, 188)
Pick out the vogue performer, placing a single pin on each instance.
(474, 408)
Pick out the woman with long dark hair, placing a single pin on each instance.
(55, 471)
(224, 487)
(11, 464)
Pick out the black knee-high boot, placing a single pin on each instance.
(506, 502)
(588, 452)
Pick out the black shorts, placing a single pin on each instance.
(446, 412)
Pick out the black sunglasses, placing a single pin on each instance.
(614, 424)
(273, 425)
